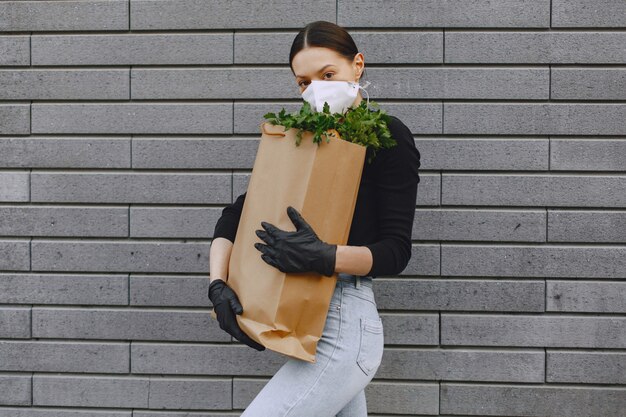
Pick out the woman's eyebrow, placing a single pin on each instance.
(320, 70)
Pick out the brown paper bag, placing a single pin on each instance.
(287, 312)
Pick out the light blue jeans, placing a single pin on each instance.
(347, 358)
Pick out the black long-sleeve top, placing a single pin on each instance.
(385, 206)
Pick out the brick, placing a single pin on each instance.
(173, 222)
(421, 118)
(119, 256)
(403, 398)
(133, 49)
(589, 84)
(468, 295)
(63, 221)
(534, 190)
(463, 364)
(232, 153)
(533, 331)
(586, 367)
(90, 391)
(14, 186)
(425, 260)
(55, 412)
(484, 154)
(14, 118)
(588, 297)
(429, 190)
(202, 359)
(143, 413)
(409, 328)
(534, 261)
(15, 323)
(190, 393)
(586, 226)
(226, 84)
(14, 50)
(245, 389)
(587, 155)
(540, 47)
(75, 289)
(408, 47)
(84, 84)
(248, 117)
(89, 323)
(130, 187)
(476, 224)
(225, 14)
(460, 83)
(39, 356)
(536, 401)
(45, 152)
(240, 183)
(588, 13)
(534, 119)
(164, 290)
(425, 46)
(15, 389)
(14, 255)
(135, 118)
(456, 13)
(64, 15)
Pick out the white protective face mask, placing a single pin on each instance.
(339, 94)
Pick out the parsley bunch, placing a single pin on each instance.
(358, 125)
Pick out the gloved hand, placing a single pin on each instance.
(226, 304)
(299, 251)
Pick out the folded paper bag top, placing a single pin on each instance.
(286, 312)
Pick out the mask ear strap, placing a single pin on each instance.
(362, 87)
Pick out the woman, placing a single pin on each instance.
(351, 347)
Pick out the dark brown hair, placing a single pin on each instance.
(327, 35)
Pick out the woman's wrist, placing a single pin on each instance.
(354, 260)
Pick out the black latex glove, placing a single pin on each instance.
(299, 251)
(226, 304)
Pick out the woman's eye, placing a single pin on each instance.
(302, 82)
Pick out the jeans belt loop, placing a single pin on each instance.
(358, 281)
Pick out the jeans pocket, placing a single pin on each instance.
(371, 345)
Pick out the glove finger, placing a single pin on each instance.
(262, 234)
(229, 324)
(266, 249)
(296, 218)
(270, 229)
(241, 336)
(224, 317)
(233, 301)
(271, 261)
(236, 305)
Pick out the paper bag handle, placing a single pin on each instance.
(269, 133)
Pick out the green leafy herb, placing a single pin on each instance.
(360, 125)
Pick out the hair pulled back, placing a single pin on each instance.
(326, 35)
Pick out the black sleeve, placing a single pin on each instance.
(227, 224)
(396, 194)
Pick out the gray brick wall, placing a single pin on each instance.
(126, 126)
